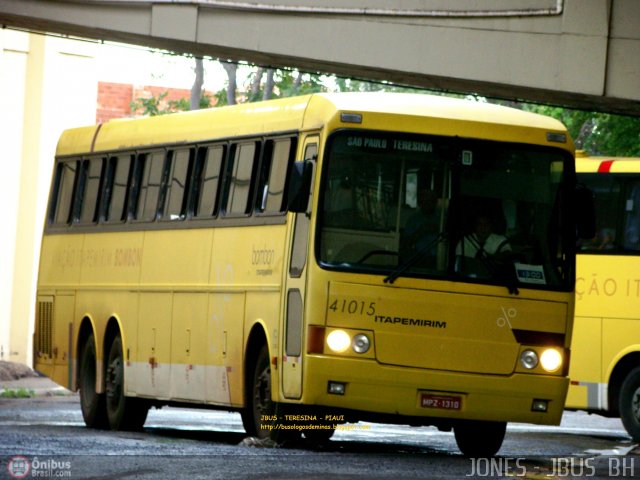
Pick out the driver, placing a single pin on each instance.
(482, 242)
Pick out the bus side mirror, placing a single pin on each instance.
(299, 186)
(585, 209)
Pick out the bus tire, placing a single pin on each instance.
(479, 439)
(124, 413)
(261, 410)
(629, 404)
(92, 403)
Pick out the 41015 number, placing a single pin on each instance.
(353, 307)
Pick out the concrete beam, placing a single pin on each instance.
(576, 53)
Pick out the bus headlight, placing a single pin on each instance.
(361, 343)
(529, 359)
(551, 360)
(338, 341)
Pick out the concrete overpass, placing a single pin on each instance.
(578, 53)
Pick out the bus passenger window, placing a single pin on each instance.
(65, 179)
(273, 175)
(240, 182)
(607, 193)
(92, 183)
(208, 180)
(150, 187)
(176, 195)
(117, 188)
(632, 219)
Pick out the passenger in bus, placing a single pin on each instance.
(482, 242)
(604, 240)
(423, 226)
(339, 207)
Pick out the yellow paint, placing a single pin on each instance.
(607, 323)
(187, 299)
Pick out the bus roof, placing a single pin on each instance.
(394, 111)
(587, 164)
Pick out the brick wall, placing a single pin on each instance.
(114, 99)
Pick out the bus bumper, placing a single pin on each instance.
(390, 390)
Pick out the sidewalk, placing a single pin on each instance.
(20, 380)
(40, 386)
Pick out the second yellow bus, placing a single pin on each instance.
(605, 363)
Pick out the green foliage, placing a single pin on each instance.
(153, 105)
(288, 86)
(597, 133)
(221, 97)
(149, 106)
(17, 393)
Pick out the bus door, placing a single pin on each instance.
(293, 328)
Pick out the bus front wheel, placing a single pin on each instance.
(262, 417)
(92, 403)
(479, 439)
(629, 404)
(124, 413)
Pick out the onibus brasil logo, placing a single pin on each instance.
(20, 467)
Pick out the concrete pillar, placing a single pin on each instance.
(50, 84)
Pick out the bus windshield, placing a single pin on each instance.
(443, 207)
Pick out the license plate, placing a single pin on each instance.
(445, 402)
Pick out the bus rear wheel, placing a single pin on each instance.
(478, 439)
(629, 404)
(124, 413)
(262, 417)
(92, 403)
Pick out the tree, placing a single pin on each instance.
(597, 133)
(196, 90)
(156, 105)
(232, 85)
(268, 85)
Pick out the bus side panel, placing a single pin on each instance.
(586, 358)
(248, 260)
(153, 365)
(62, 353)
(264, 308)
(619, 339)
(62, 258)
(176, 259)
(188, 346)
(224, 349)
(58, 278)
(605, 298)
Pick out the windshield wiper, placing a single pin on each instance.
(413, 259)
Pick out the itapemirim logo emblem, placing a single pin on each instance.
(19, 466)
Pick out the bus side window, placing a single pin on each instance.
(278, 154)
(607, 196)
(93, 178)
(151, 181)
(241, 172)
(177, 184)
(116, 190)
(207, 180)
(632, 218)
(62, 200)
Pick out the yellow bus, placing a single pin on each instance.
(605, 357)
(265, 259)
